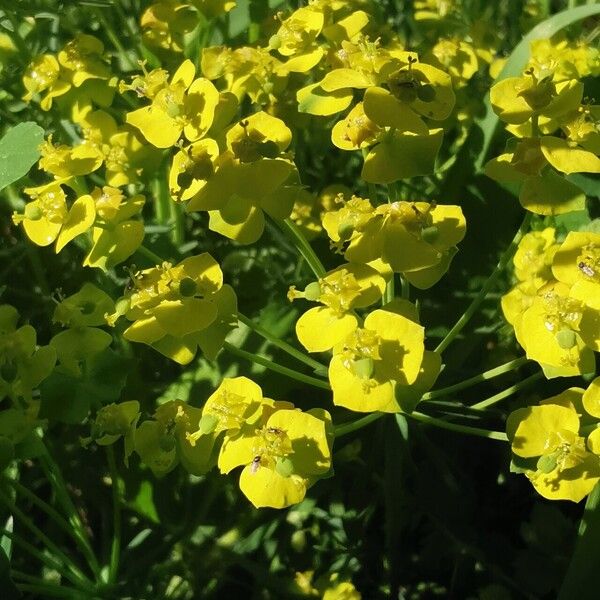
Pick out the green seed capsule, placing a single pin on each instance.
(363, 367)
(208, 423)
(275, 42)
(284, 466)
(187, 287)
(426, 93)
(33, 212)
(167, 442)
(430, 234)
(345, 230)
(547, 463)
(566, 339)
(312, 291)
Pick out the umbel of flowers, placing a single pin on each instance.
(280, 449)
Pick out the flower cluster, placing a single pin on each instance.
(555, 132)
(557, 443)
(554, 307)
(282, 450)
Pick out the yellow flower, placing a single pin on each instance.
(167, 440)
(185, 105)
(366, 367)
(115, 235)
(414, 238)
(287, 454)
(558, 464)
(48, 218)
(172, 306)
(340, 291)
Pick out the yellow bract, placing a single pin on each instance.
(559, 462)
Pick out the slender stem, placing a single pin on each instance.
(151, 255)
(297, 354)
(82, 544)
(346, 428)
(114, 38)
(497, 371)
(79, 577)
(405, 288)
(66, 561)
(303, 247)
(48, 560)
(15, 35)
(115, 549)
(487, 286)
(44, 591)
(269, 364)
(53, 474)
(508, 392)
(493, 435)
(389, 293)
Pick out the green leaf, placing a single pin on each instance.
(19, 151)
(9, 589)
(518, 59)
(583, 578)
(68, 399)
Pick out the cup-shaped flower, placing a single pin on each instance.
(167, 440)
(550, 332)
(23, 365)
(283, 457)
(340, 291)
(48, 218)
(173, 306)
(414, 238)
(557, 461)
(185, 105)
(367, 365)
(113, 422)
(115, 235)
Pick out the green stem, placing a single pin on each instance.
(389, 294)
(346, 428)
(48, 591)
(155, 258)
(405, 290)
(509, 366)
(20, 43)
(269, 364)
(80, 578)
(487, 286)
(297, 354)
(115, 550)
(513, 389)
(53, 474)
(114, 38)
(82, 544)
(303, 247)
(51, 562)
(492, 435)
(535, 128)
